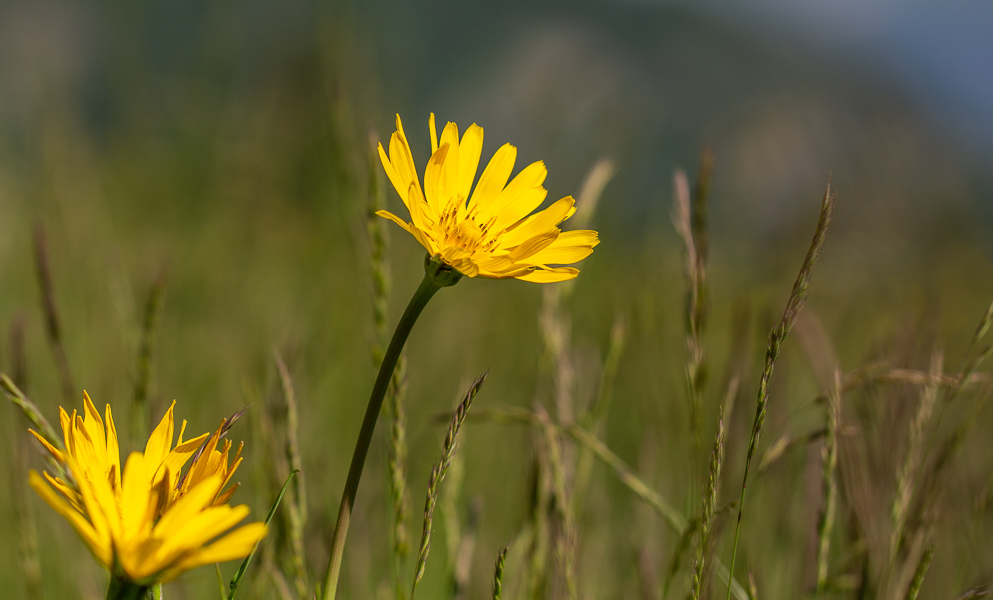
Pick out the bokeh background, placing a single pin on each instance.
(227, 145)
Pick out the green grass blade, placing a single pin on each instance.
(248, 559)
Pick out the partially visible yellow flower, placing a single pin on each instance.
(142, 523)
(210, 462)
(487, 233)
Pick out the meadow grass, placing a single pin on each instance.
(581, 472)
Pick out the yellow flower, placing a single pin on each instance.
(144, 523)
(489, 232)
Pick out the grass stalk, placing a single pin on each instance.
(681, 550)
(30, 411)
(139, 401)
(907, 474)
(922, 566)
(297, 507)
(463, 552)
(829, 481)
(707, 512)
(672, 517)
(397, 467)
(798, 297)
(53, 324)
(693, 273)
(501, 562)
(540, 502)
(438, 471)
(561, 503)
(27, 533)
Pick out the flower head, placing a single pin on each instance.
(487, 233)
(148, 523)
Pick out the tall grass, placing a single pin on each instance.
(868, 488)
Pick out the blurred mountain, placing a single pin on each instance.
(647, 84)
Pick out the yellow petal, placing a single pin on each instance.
(470, 148)
(207, 525)
(461, 260)
(224, 496)
(398, 183)
(94, 427)
(100, 503)
(197, 531)
(518, 207)
(113, 447)
(66, 423)
(194, 501)
(538, 223)
(521, 196)
(405, 174)
(401, 156)
(494, 178)
(63, 488)
(568, 248)
(434, 185)
(425, 240)
(137, 510)
(534, 245)
(55, 452)
(178, 456)
(449, 176)
(434, 134)
(550, 275)
(501, 267)
(388, 215)
(99, 545)
(160, 441)
(235, 545)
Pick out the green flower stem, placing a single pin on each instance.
(436, 276)
(122, 588)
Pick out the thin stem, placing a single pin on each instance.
(429, 285)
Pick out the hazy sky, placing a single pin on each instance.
(940, 53)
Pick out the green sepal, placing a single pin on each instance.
(440, 272)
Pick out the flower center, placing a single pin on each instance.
(461, 229)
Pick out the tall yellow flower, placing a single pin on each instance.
(145, 525)
(487, 233)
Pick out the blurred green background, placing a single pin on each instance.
(227, 144)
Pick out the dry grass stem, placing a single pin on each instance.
(683, 545)
(465, 552)
(829, 482)
(782, 446)
(590, 192)
(140, 422)
(906, 481)
(438, 472)
(296, 509)
(707, 513)
(27, 533)
(794, 305)
(53, 324)
(672, 517)
(973, 593)
(561, 504)
(693, 272)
